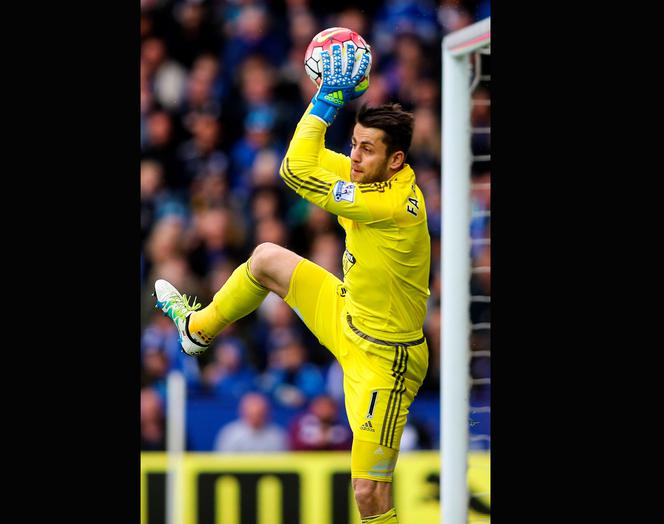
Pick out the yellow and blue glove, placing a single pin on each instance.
(338, 87)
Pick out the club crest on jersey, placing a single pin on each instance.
(348, 261)
(344, 191)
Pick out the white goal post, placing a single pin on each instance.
(457, 49)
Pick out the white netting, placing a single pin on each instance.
(480, 299)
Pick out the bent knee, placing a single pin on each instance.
(264, 257)
(265, 251)
(272, 266)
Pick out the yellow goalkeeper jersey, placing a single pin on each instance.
(387, 257)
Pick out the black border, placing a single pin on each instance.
(73, 370)
(72, 183)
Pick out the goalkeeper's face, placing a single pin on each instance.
(369, 159)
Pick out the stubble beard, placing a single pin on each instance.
(378, 175)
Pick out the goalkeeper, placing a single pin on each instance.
(372, 320)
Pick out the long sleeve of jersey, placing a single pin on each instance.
(323, 177)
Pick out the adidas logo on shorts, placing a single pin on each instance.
(367, 426)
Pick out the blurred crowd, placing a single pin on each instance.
(222, 86)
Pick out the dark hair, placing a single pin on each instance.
(396, 123)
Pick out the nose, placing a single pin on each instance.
(355, 155)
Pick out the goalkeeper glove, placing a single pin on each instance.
(339, 87)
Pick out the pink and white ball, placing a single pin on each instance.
(313, 63)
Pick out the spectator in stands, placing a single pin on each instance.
(271, 229)
(425, 146)
(378, 94)
(153, 428)
(252, 432)
(161, 353)
(275, 321)
(290, 380)
(217, 275)
(480, 199)
(193, 33)
(480, 118)
(209, 190)
(160, 144)
(152, 176)
(201, 96)
(432, 332)
(396, 17)
(355, 19)
(453, 15)
(320, 428)
(251, 33)
(334, 382)
(265, 170)
(415, 436)
(307, 222)
(266, 202)
(405, 69)
(166, 239)
(218, 234)
(229, 375)
(167, 77)
(258, 138)
(326, 251)
(202, 154)
(302, 25)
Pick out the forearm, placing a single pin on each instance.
(301, 168)
(308, 142)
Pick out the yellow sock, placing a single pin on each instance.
(386, 518)
(239, 296)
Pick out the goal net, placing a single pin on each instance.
(466, 270)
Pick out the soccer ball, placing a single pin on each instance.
(313, 63)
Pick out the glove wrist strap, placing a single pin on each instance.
(323, 110)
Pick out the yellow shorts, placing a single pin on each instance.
(381, 378)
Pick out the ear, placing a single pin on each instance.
(396, 160)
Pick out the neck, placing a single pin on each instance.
(391, 172)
